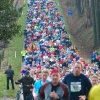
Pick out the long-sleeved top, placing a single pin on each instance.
(78, 86)
(37, 85)
(94, 94)
(9, 72)
(27, 83)
(61, 91)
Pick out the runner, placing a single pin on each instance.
(79, 85)
(54, 90)
(41, 82)
(95, 93)
(94, 80)
(48, 44)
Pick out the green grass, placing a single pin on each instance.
(9, 57)
(65, 20)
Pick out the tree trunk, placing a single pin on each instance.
(80, 6)
(88, 14)
(98, 21)
(94, 21)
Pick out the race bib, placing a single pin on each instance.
(75, 86)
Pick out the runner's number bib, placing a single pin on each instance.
(75, 86)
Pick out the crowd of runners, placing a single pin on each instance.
(48, 50)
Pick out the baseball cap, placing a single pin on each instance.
(55, 71)
(27, 73)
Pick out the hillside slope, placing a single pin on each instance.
(83, 36)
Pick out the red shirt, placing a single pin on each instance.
(61, 62)
(98, 57)
(60, 47)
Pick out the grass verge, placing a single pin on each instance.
(9, 58)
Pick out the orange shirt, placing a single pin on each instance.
(29, 48)
(50, 43)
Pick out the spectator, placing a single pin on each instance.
(23, 53)
(10, 74)
(93, 57)
(98, 61)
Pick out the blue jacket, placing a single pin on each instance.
(38, 85)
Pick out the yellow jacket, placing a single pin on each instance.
(95, 93)
(23, 52)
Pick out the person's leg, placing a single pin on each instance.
(7, 83)
(24, 95)
(30, 96)
(12, 82)
(22, 58)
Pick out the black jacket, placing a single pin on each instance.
(79, 85)
(9, 72)
(27, 83)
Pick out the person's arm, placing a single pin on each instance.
(41, 94)
(13, 72)
(66, 96)
(31, 86)
(88, 87)
(64, 80)
(57, 97)
(33, 81)
(66, 93)
(35, 88)
(19, 81)
(21, 52)
(5, 72)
